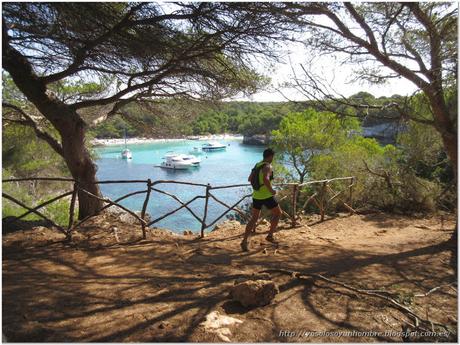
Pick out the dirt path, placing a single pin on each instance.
(162, 288)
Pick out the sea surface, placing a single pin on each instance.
(219, 168)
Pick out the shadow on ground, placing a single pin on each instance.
(162, 288)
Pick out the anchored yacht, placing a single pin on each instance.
(179, 161)
(213, 146)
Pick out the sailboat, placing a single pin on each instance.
(126, 153)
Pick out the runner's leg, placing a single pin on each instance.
(250, 226)
(276, 215)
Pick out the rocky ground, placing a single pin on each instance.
(107, 285)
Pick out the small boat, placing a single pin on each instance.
(196, 151)
(213, 146)
(175, 162)
(126, 153)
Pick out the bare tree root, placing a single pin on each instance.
(419, 322)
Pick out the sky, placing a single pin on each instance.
(339, 76)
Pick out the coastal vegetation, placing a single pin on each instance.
(170, 118)
(112, 62)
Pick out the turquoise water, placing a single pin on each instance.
(231, 166)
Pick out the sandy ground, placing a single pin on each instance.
(162, 288)
(108, 142)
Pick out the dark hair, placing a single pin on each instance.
(268, 152)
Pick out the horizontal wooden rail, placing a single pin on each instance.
(326, 180)
(120, 181)
(39, 179)
(178, 182)
(230, 186)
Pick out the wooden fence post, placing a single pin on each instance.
(351, 192)
(144, 207)
(323, 198)
(72, 208)
(203, 224)
(294, 205)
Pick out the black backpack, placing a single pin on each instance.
(255, 183)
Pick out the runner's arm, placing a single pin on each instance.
(267, 171)
(250, 176)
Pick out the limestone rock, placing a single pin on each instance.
(257, 139)
(254, 293)
(218, 324)
(125, 217)
(253, 276)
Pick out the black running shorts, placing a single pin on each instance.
(268, 203)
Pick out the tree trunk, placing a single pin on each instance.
(81, 167)
(66, 120)
(444, 124)
(450, 145)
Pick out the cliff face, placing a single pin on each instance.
(384, 133)
(257, 139)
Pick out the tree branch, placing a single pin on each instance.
(374, 51)
(55, 145)
(362, 23)
(82, 53)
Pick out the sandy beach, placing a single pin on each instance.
(121, 141)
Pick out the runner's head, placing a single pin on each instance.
(268, 155)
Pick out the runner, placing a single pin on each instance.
(263, 195)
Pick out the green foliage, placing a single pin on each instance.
(59, 211)
(175, 118)
(409, 177)
(25, 155)
(304, 136)
(19, 192)
(386, 178)
(114, 128)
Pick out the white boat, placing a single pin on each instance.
(175, 162)
(213, 146)
(187, 158)
(126, 153)
(194, 160)
(196, 151)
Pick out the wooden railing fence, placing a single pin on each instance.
(321, 198)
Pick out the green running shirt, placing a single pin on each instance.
(262, 192)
